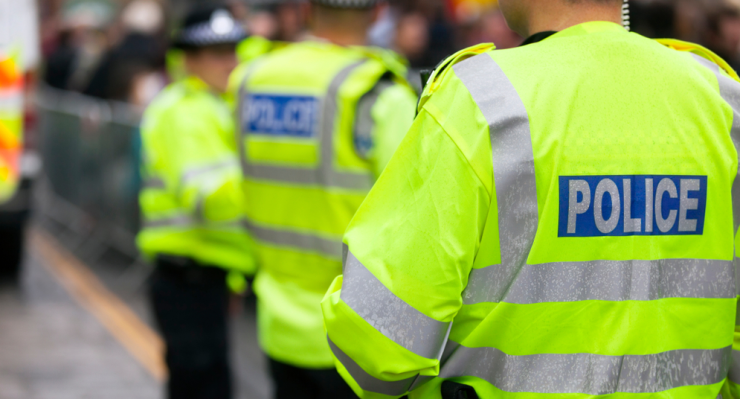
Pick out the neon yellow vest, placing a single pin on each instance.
(191, 201)
(305, 178)
(11, 125)
(570, 235)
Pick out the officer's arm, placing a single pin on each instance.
(384, 116)
(200, 166)
(411, 246)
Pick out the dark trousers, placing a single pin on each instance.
(297, 383)
(190, 303)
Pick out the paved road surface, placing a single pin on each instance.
(55, 345)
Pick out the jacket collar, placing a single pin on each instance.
(577, 30)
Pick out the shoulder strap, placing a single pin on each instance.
(395, 65)
(680, 45)
(437, 76)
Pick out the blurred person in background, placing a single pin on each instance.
(80, 45)
(319, 121)
(723, 32)
(271, 26)
(192, 208)
(132, 70)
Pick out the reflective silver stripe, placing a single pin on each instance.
(513, 165)
(735, 368)
(173, 221)
(391, 315)
(366, 381)
(608, 281)
(729, 89)
(325, 174)
(709, 64)
(364, 121)
(242, 116)
(184, 221)
(590, 374)
(154, 183)
(194, 173)
(301, 241)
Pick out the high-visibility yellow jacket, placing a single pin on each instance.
(11, 124)
(318, 123)
(192, 200)
(558, 223)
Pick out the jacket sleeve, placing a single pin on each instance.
(199, 163)
(409, 251)
(384, 116)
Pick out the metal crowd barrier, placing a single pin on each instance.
(90, 150)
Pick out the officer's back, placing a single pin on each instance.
(319, 120)
(578, 195)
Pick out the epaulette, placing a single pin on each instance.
(701, 51)
(437, 76)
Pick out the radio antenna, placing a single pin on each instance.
(626, 15)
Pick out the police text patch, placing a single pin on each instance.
(281, 115)
(595, 206)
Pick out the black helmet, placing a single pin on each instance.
(208, 26)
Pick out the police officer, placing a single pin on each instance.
(281, 22)
(191, 206)
(557, 223)
(319, 120)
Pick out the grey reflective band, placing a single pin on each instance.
(366, 381)
(729, 89)
(513, 163)
(590, 374)
(304, 241)
(364, 121)
(194, 173)
(709, 64)
(326, 174)
(734, 375)
(154, 183)
(391, 315)
(605, 281)
(171, 221)
(312, 177)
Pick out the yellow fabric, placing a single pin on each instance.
(599, 102)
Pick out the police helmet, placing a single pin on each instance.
(347, 3)
(209, 26)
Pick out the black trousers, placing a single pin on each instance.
(190, 303)
(297, 383)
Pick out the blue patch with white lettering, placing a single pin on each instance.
(597, 206)
(282, 115)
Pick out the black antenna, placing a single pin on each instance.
(626, 15)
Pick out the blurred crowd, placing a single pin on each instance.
(117, 49)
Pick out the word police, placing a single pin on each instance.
(594, 206)
(281, 115)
